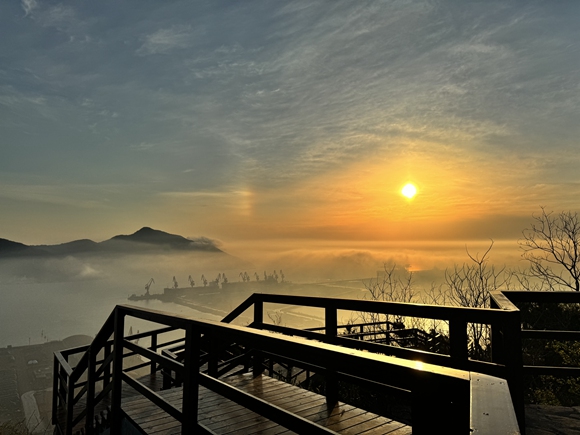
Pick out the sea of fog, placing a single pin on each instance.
(35, 313)
(51, 299)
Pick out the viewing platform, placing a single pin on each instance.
(219, 378)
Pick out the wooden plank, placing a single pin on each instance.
(492, 410)
(226, 417)
(362, 427)
(389, 428)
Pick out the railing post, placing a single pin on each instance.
(90, 416)
(107, 369)
(435, 398)
(70, 406)
(119, 332)
(330, 325)
(190, 380)
(258, 366)
(258, 311)
(213, 354)
(458, 341)
(514, 365)
(497, 339)
(330, 321)
(55, 390)
(154, 349)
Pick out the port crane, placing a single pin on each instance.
(175, 285)
(204, 280)
(191, 281)
(148, 285)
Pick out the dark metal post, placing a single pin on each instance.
(119, 333)
(190, 380)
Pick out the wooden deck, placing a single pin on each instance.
(226, 417)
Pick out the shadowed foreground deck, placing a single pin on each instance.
(224, 416)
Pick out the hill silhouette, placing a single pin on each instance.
(145, 240)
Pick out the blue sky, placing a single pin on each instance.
(295, 120)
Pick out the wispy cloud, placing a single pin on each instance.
(75, 196)
(166, 40)
(29, 6)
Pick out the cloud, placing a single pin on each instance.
(29, 6)
(78, 196)
(166, 40)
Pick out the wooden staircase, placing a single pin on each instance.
(214, 377)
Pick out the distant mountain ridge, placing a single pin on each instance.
(146, 240)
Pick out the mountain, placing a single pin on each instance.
(149, 239)
(9, 248)
(75, 247)
(146, 240)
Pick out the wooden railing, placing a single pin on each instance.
(438, 393)
(509, 300)
(505, 323)
(77, 384)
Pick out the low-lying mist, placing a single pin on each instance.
(62, 296)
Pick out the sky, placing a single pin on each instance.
(258, 123)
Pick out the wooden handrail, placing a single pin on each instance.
(438, 312)
(240, 309)
(515, 296)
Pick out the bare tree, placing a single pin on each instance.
(393, 286)
(469, 285)
(552, 247)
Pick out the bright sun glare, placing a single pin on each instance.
(409, 191)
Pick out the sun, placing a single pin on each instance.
(409, 190)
